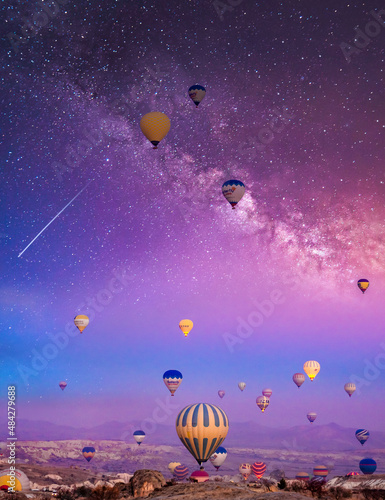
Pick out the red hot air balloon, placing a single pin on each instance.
(258, 468)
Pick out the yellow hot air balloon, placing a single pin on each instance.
(311, 368)
(202, 428)
(81, 321)
(186, 326)
(155, 127)
(171, 466)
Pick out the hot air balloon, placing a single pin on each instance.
(363, 285)
(172, 379)
(139, 436)
(186, 326)
(181, 472)
(258, 468)
(350, 388)
(202, 428)
(233, 191)
(302, 476)
(311, 368)
(267, 393)
(320, 471)
(81, 321)
(311, 416)
(221, 394)
(218, 457)
(242, 385)
(299, 379)
(62, 385)
(263, 402)
(245, 470)
(88, 452)
(199, 476)
(197, 93)
(155, 127)
(368, 466)
(353, 473)
(362, 435)
(171, 466)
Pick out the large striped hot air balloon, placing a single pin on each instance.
(368, 466)
(172, 379)
(202, 428)
(258, 468)
(362, 435)
(180, 472)
(363, 285)
(299, 379)
(155, 127)
(88, 452)
(320, 471)
(245, 470)
(233, 191)
(311, 368)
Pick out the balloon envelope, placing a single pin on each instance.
(172, 380)
(267, 393)
(171, 466)
(218, 457)
(181, 472)
(62, 385)
(245, 470)
(320, 471)
(299, 379)
(202, 428)
(353, 473)
(242, 385)
(221, 394)
(197, 93)
(200, 476)
(362, 435)
(263, 402)
(302, 476)
(311, 368)
(81, 321)
(88, 452)
(233, 191)
(139, 436)
(350, 388)
(186, 326)
(258, 468)
(368, 466)
(363, 285)
(155, 127)
(311, 416)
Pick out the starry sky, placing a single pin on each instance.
(150, 240)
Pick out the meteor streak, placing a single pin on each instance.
(57, 215)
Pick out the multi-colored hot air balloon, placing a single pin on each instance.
(88, 453)
(302, 476)
(81, 321)
(139, 436)
(258, 468)
(368, 466)
(350, 388)
(267, 393)
(172, 379)
(320, 471)
(242, 385)
(363, 285)
(155, 127)
(218, 457)
(202, 428)
(245, 470)
(181, 472)
(171, 466)
(221, 394)
(311, 368)
(197, 93)
(299, 379)
(362, 435)
(262, 403)
(186, 326)
(233, 191)
(199, 476)
(353, 473)
(311, 416)
(62, 385)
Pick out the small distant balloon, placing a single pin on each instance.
(181, 472)
(363, 285)
(299, 379)
(311, 368)
(242, 385)
(199, 476)
(302, 476)
(320, 471)
(155, 126)
(139, 436)
(88, 452)
(258, 468)
(197, 93)
(81, 321)
(362, 435)
(368, 466)
(267, 393)
(350, 388)
(245, 470)
(353, 473)
(172, 380)
(233, 191)
(171, 466)
(62, 385)
(186, 326)
(263, 402)
(221, 394)
(218, 457)
(311, 416)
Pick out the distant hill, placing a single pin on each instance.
(312, 437)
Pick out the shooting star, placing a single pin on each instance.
(56, 216)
